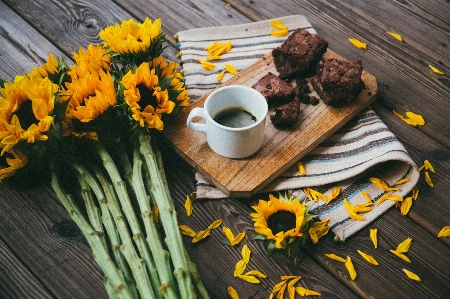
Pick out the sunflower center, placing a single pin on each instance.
(147, 97)
(281, 221)
(26, 115)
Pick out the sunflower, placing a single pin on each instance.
(147, 100)
(281, 220)
(140, 42)
(91, 60)
(90, 95)
(25, 108)
(11, 162)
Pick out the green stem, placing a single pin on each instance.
(160, 193)
(161, 256)
(127, 208)
(99, 252)
(110, 227)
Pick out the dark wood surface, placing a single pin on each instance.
(42, 253)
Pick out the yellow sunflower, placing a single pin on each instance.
(11, 162)
(90, 95)
(281, 220)
(91, 60)
(145, 97)
(25, 108)
(48, 68)
(131, 37)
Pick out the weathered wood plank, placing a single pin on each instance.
(429, 260)
(16, 281)
(51, 246)
(404, 78)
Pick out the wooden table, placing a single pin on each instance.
(42, 253)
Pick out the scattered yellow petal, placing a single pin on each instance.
(207, 65)
(363, 207)
(316, 194)
(213, 57)
(357, 43)
(428, 166)
(305, 292)
(220, 76)
(401, 255)
(301, 168)
(278, 286)
(231, 69)
(417, 119)
(404, 246)
(211, 46)
(201, 235)
(350, 268)
(421, 167)
(368, 258)
(188, 205)
(286, 277)
(406, 205)
(395, 35)
(233, 293)
(445, 232)
(186, 230)
(279, 33)
(334, 194)
(238, 239)
(246, 254)
(373, 236)
(411, 275)
(415, 192)
(256, 273)
(335, 257)
(381, 199)
(239, 268)
(366, 197)
(437, 71)
(318, 230)
(394, 197)
(280, 294)
(356, 216)
(402, 181)
(428, 179)
(228, 233)
(277, 24)
(307, 193)
(382, 184)
(249, 278)
(215, 224)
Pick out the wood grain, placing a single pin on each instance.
(281, 148)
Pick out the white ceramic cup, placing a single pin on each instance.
(232, 142)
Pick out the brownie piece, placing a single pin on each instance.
(299, 54)
(286, 116)
(275, 90)
(338, 82)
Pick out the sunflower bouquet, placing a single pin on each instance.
(92, 129)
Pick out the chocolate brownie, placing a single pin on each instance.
(338, 82)
(299, 54)
(287, 115)
(275, 90)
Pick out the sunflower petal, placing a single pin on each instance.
(335, 257)
(402, 181)
(350, 268)
(238, 239)
(246, 254)
(428, 166)
(228, 233)
(279, 33)
(357, 43)
(301, 168)
(417, 119)
(305, 292)
(401, 255)
(428, 179)
(278, 286)
(215, 224)
(256, 273)
(277, 24)
(395, 35)
(249, 278)
(368, 258)
(231, 69)
(436, 70)
(239, 268)
(411, 275)
(233, 293)
(201, 235)
(445, 232)
(405, 245)
(405, 206)
(373, 236)
(188, 206)
(186, 230)
(207, 65)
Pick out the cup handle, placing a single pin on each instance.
(196, 112)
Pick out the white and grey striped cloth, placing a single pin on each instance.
(361, 149)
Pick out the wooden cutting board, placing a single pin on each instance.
(243, 178)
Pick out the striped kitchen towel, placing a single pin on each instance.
(362, 151)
